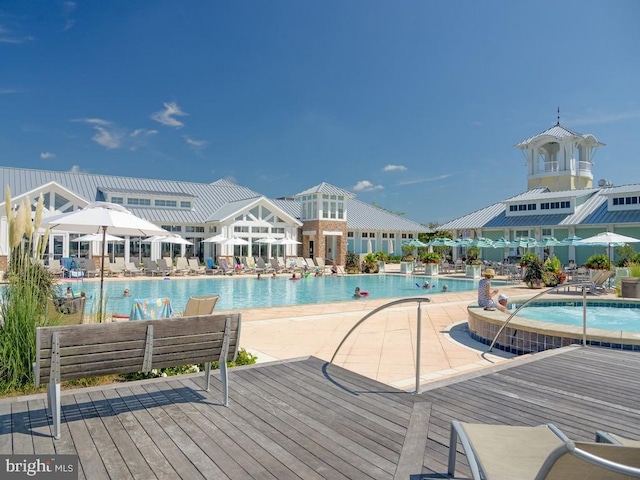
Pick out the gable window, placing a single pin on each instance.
(513, 208)
(531, 206)
(139, 201)
(165, 203)
(118, 200)
(544, 206)
(185, 204)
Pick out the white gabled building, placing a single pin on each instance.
(326, 220)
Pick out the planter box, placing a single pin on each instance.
(406, 267)
(431, 268)
(622, 272)
(473, 271)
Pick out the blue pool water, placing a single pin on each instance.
(248, 292)
(625, 317)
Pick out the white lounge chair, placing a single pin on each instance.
(131, 270)
(195, 267)
(182, 266)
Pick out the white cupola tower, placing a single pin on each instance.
(559, 158)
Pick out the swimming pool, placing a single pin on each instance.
(248, 292)
(613, 316)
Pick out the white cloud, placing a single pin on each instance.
(142, 131)
(7, 91)
(69, 25)
(6, 36)
(107, 138)
(93, 121)
(76, 169)
(413, 181)
(165, 117)
(391, 168)
(45, 155)
(193, 142)
(366, 186)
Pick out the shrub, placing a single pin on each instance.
(351, 263)
(382, 257)
(473, 256)
(598, 261)
(370, 263)
(25, 297)
(535, 272)
(431, 257)
(527, 258)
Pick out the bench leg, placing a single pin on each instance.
(207, 373)
(53, 394)
(225, 382)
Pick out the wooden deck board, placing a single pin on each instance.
(306, 420)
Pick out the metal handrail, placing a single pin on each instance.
(582, 284)
(419, 300)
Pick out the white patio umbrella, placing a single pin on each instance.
(174, 239)
(234, 241)
(265, 240)
(97, 237)
(609, 239)
(103, 217)
(390, 249)
(216, 239)
(286, 241)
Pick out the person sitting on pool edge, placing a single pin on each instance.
(503, 300)
(485, 293)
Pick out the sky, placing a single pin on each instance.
(412, 105)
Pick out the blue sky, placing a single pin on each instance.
(414, 105)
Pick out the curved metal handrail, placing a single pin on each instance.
(582, 284)
(419, 300)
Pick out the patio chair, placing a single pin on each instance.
(202, 305)
(248, 265)
(321, 264)
(89, 268)
(131, 270)
(598, 285)
(607, 437)
(542, 452)
(195, 267)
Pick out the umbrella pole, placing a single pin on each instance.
(104, 236)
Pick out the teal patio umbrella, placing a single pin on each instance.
(550, 242)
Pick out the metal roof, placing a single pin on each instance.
(557, 131)
(362, 216)
(620, 189)
(326, 188)
(544, 194)
(211, 201)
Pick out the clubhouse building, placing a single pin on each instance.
(561, 200)
(322, 221)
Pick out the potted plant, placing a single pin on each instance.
(474, 264)
(370, 263)
(431, 261)
(553, 275)
(597, 261)
(534, 276)
(351, 263)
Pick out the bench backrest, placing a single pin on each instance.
(90, 350)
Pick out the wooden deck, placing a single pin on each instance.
(309, 420)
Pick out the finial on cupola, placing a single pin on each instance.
(558, 115)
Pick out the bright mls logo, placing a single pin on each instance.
(59, 467)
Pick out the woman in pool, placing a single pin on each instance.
(485, 293)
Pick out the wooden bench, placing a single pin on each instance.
(80, 351)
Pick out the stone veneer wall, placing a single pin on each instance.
(319, 239)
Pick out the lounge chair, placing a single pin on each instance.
(153, 268)
(182, 266)
(89, 268)
(275, 265)
(321, 264)
(542, 452)
(55, 268)
(211, 267)
(131, 270)
(607, 437)
(195, 267)
(202, 305)
(224, 266)
(262, 267)
(65, 311)
(248, 265)
(598, 285)
(114, 270)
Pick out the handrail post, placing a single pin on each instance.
(584, 316)
(418, 347)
